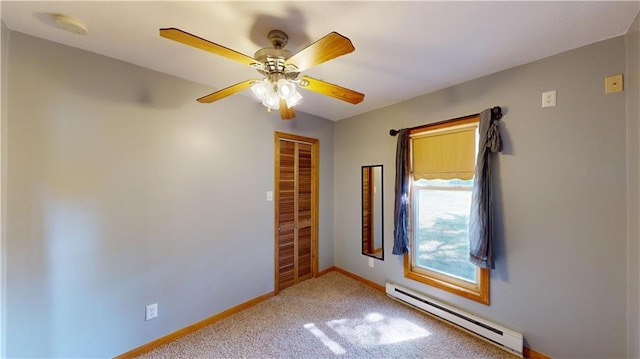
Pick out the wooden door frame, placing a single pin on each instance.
(315, 172)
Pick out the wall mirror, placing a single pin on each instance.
(372, 241)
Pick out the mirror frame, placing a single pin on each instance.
(381, 214)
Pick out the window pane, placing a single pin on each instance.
(442, 233)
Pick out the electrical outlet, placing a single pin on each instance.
(549, 98)
(370, 262)
(151, 311)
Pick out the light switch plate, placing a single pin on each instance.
(151, 311)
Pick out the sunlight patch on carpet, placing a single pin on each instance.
(336, 348)
(375, 329)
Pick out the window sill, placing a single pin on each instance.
(481, 295)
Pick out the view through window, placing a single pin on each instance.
(442, 227)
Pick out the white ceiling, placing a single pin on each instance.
(403, 49)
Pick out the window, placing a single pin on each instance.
(442, 168)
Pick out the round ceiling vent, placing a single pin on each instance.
(71, 24)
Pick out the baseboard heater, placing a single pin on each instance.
(503, 338)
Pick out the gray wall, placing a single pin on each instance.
(632, 77)
(123, 191)
(4, 56)
(560, 198)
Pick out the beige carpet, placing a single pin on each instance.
(333, 316)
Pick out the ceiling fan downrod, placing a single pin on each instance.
(278, 38)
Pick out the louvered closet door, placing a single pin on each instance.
(294, 217)
(303, 220)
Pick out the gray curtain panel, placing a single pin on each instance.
(401, 211)
(481, 215)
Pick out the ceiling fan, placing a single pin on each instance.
(280, 69)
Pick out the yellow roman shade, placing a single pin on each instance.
(446, 154)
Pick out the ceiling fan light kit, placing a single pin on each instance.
(281, 69)
(271, 91)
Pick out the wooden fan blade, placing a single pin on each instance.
(325, 49)
(226, 91)
(195, 41)
(285, 112)
(335, 91)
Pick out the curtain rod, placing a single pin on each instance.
(496, 113)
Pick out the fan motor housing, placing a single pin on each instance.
(269, 52)
(273, 61)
